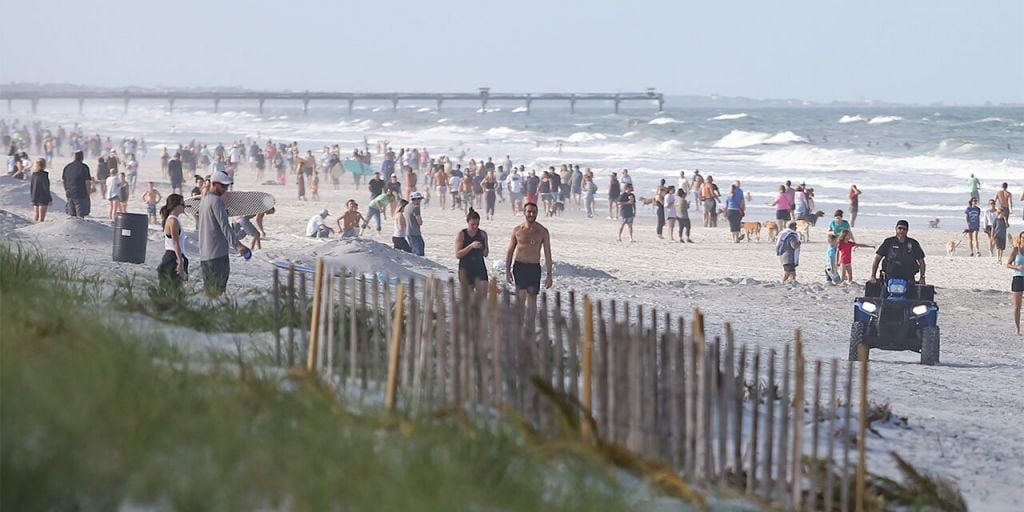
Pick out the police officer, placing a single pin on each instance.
(903, 256)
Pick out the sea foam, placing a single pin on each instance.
(851, 119)
(742, 139)
(884, 119)
(729, 117)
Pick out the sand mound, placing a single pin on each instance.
(10, 223)
(72, 232)
(17, 192)
(573, 270)
(366, 256)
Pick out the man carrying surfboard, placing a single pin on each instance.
(216, 237)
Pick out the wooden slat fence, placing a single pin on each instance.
(722, 413)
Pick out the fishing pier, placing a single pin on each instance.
(482, 97)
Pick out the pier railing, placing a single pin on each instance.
(722, 414)
(484, 95)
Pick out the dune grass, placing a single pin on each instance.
(92, 418)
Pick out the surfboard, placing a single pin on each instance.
(238, 203)
(336, 170)
(357, 168)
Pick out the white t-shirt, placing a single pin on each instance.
(515, 183)
(314, 225)
(113, 186)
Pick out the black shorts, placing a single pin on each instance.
(527, 276)
(1018, 284)
(734, 221)
(781, 214)
(789, 267)
(472, 273)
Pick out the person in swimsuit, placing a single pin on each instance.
(1005, 201)
(1016, 263)
(173, 268)
(522, 259)
(489, 184)
(471, 249)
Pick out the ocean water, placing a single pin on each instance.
(910, 162)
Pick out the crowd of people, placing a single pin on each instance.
(410, 180)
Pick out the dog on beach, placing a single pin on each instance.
(751, 230)
(934, 223)
(951, 246)
(773, 230)
(803, 228)
(557, 208)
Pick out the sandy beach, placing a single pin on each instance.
(963, 416)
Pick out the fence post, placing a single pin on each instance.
(353, 334)
(862, 430)
(361, 335)
(314, 322)
(844, 491)
(769, 428)
(798, 423)
(782, 468)
(394, 350)
(603, 398)
(726, 380)
(573, 340)
(277, 316)
(833, 410)
(375, 334)
(291, 315)
(496, 344)
(754, 422)
(303, 332)
(327, 324)
(738, 381)
(816, 438)
(588, 366)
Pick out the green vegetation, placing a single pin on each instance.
(94, 417)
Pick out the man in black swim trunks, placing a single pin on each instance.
(522, 260)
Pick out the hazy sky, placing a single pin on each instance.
(895, 50)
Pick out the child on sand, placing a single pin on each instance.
(314, 186)
(122, 193)
(349, 221)
(846, 246)
(832, 260)
(151, 197)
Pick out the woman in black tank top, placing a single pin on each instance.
(471, 250)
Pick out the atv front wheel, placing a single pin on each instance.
(857, 333)
(930, 345)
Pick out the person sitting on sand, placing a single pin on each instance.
(317, 228)
(349, 221)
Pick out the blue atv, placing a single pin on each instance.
(900, 316)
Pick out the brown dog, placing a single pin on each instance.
(803, 228)
(751, 230)
(934, 223)
(773, 230)
(951, 246)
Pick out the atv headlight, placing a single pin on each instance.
(868, 307)
(897, 287)
(919, 309)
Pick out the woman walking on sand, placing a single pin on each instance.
(1015, 262)
(173, 268)
(39, 189)
(471, 249)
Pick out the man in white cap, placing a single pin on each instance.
(413, 220)
(216, 237)
(316, 227)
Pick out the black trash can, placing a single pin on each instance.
(131, 234)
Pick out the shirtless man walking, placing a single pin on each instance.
(1004, 200)
(522, 260)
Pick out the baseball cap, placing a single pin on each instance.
(221, 177)
(416, 195)
(324, 212)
